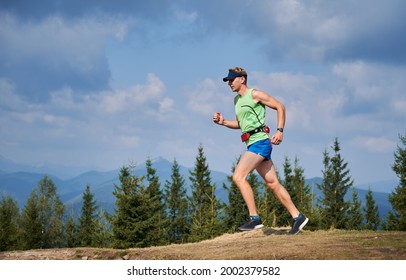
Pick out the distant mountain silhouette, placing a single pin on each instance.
(19, 184)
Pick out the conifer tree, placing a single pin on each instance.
(203, 201)
(302, 197)
(87, 220)
(71, 232)
(42, 218)
(130, 225)
(255, 182)
(156, 211)
(397, 219)
(267, 206)
(102, 237)
(355, 218)
(371, 212)
(215, 226)
(283, 216)
(9, 223)
(51, 214)
(391, 221)
(236, 212)
(259, 189)
(31, 224)
(336, 182)
(280, 217)
(176, 204)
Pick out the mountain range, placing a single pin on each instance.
(18, 180)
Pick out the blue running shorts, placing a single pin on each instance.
(262, 148)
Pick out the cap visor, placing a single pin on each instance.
(232, 75)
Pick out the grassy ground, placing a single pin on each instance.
(264, 244)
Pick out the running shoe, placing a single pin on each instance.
(251, 225)
(298, 224)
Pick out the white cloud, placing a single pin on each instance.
(375, 144)
(305, 30)
(54, 52)
(185, 16)
(353, 95)
(8, 97)
(309, 102)
(329, 105)
(323, 30)
(75, 41)
(132, 142)
(166, 105)
(363, 79)
(308, 20)
(206, 98)
(135, 97)
(58, 99)
(63, 98)
(399, 105)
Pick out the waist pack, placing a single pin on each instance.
(245, 136)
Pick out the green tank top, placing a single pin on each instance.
(250, 115)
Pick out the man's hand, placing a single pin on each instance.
(218, 118)
(277, 138)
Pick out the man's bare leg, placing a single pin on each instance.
(267, 171)
(248, 162)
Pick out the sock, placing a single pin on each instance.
(256, 218)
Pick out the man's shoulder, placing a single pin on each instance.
(258, 95)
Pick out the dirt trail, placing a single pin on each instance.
(264, 244)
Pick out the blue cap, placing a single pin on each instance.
(232, 75)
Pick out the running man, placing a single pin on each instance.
(250, 108)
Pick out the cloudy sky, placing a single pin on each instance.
(101, 83)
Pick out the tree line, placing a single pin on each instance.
(148, 214)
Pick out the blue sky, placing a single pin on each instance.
(100, 83)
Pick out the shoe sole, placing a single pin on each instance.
(256, 227)
(300, 227)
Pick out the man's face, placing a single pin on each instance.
(235, 84)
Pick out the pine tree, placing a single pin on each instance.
(302, 197)
(258, 188)
(280, 216)
(31, 224)
(130, 225)
(371, 212)
(52, 212)
(215, 226)
(283, 216)
(176, 205)
(355, 218)
(398, 197)
(236, 211)
(391, 221)
(9, 223)
(156, 210)
(267, 207)
(43, 217)
(71, 232)
(255, 182)
(201, 201)
(102, 237)
(336, 182)
(87, 220)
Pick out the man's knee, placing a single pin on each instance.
(238, 179)
(274, 185)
